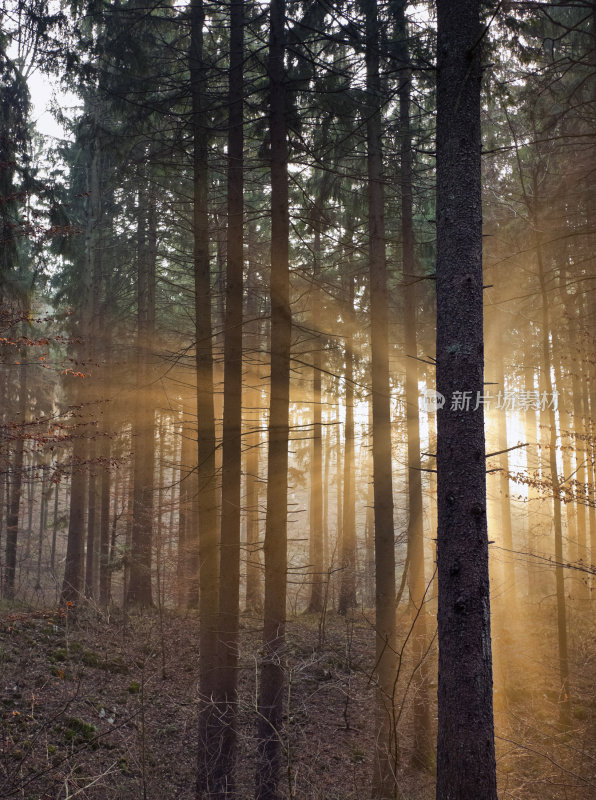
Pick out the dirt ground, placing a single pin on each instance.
(102, 708)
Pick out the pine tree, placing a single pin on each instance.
(465, 744)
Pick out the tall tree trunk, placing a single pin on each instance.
(339, 515)
(54, 528)
(105, 487)
(16, 486)
(327, 554)
(271, 679)
(186, 501)
(423, 748)
(386, 745)
(95, 255)
(549, 418)
(75, 545)
(139, 587)
(73, 583)
(254, 597)
(29, 530)
(347, 590)
(315, 604)
(4, 479)
(105, 574)
(465, 744)
(580, 382)
(43, 513)
(369, 525)
(592, 327)
(229, 569)
(128, 502)
(91, 518)
(530, 436)
(505, 497)
(254, 600)
(206, 590)
(589, 397)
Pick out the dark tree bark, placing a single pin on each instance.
(91, 519)
(127, 502)
(187, 499)
(229, 570)
(271, 678)
(29, 528)
(105, 483)
(206, 586)
(95, 259)
(54, 528)
(139, 587)
(4, 501)
(254, 594)
(339, 504)
(369, 525)
(315, 555)
(16, 486)
(590, 394)
(327, 554)
(87, 290)
(465, 744)
(75, 545)
(105, 574)
(347, 589)
(386, 755)
(254, 589)
(43, 515)
(423, 755)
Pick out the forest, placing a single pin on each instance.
(297, 355)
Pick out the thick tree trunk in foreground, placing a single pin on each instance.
(271, 684)
(465, 745)
(229, 571)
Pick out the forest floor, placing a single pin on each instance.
(103, 708)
